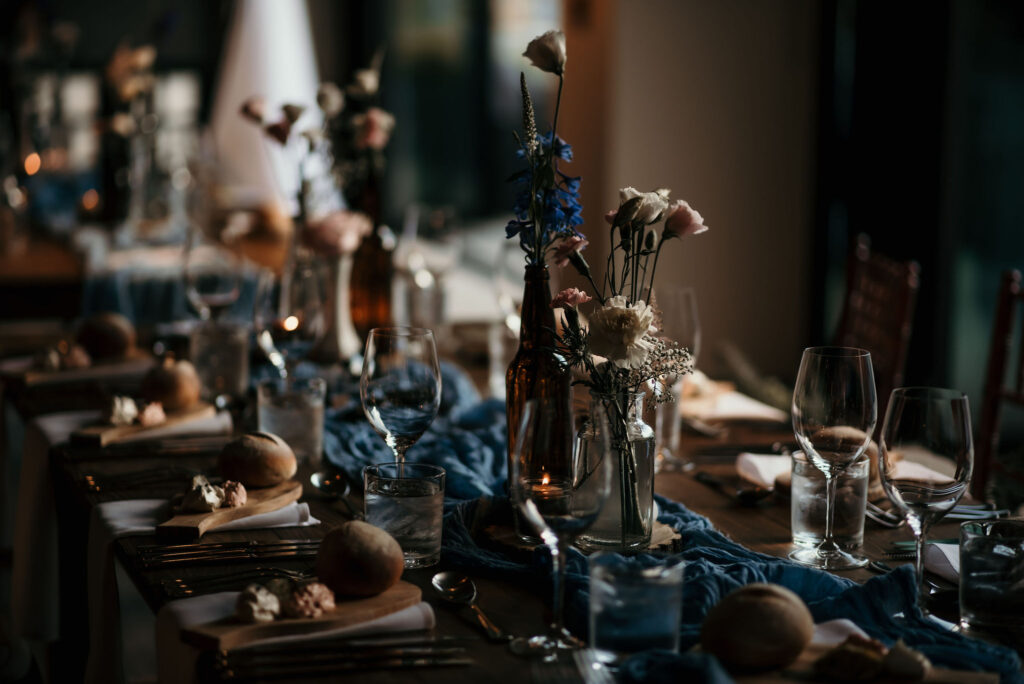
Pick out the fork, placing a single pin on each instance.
(181, 588)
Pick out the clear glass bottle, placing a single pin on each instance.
(627, 518)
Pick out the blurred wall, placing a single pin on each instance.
(716, 101)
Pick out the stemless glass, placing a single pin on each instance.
(289, 314)
(927, 456)
(834, 414)
(559, 507)
(400, 386)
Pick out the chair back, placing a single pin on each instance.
(999, 388)
(878, 314)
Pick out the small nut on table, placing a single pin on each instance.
(256, 604)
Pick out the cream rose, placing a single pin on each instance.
(547, 52)
(617, 332)
(652, 204)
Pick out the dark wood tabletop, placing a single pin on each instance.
(518, 609)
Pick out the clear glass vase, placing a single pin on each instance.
(625, 522)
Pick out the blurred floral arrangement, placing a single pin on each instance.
(547, 207)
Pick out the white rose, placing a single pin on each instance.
(652, 204)
(617, 332)
(547, 52)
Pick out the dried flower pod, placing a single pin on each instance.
(310, 601)
(256, 604)
(330, 99)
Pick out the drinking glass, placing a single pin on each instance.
(400, 386)
(407, 501)
(289, 314)
(213, 275)
(559, 507)
(927, 456)
(834, 414)
(681, 324)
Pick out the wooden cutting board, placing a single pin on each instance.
(229, 633)
(136, 362)
(802, 671)
(102, 435)
(192, 526)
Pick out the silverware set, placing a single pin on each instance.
(139, 479)
(331, 656)
(893, 519)
(181, 587)
(162, 556)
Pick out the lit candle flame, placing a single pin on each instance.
(32, 164)
(546, 479)
(290, 323)
(90, 199)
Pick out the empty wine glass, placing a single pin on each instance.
(834, 414)
(559, 507)
(400, 386)
(289, 314)
(213, 275)
(681, 324)
(927, 457)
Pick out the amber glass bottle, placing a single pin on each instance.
(373, 269)
(539, 371)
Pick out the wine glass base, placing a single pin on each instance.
(835, 560)
(545, 647)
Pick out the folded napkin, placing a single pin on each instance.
(176, 661)
(731, 405)
(217, 424)
(943, 560)
(762, 469)
(114, 519)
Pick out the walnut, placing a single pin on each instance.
(310, 601)
(256, 604)
(234, 494)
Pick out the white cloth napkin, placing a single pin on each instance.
(835, 632)
(34, 578)
(176, 661)
(943, 560)
(731, 405)
(762, 469)
(114, 519)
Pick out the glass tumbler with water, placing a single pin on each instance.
(293, 409)
(406, 500)
(807, 504)
(992, 575)
(634, 605)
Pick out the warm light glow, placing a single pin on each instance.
(90, 199)
(290, 323)
(546, 479)
(32, 164)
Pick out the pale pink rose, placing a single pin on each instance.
(566, 249)
(253, 109)
(374, 128)
(547, 52)
(610, 216)
(570, 297)
(682, 220)
(337, 233)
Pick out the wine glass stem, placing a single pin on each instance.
(921, 537)
(828, 544)
(558, 553)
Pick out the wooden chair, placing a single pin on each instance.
(1008, 302)
(878, 314)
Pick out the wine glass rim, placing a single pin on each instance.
(401, 331)
(838, 352)
(933, 393)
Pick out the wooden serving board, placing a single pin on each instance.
(102, 435)
(136, 362)
(229, 633)
(192, 526)
(802, 671)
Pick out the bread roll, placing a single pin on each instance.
(358, 559)
(106, 336)
(757, 627)
(257, 459)
(175, 384)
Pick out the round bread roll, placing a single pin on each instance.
(175, 384)
(106, 336)
(757, 627)
(257, 459)
(358, 559)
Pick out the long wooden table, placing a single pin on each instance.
(519, 609)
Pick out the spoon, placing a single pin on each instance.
(456, 588)
(334, 485)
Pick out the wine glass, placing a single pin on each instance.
(834, 414)
(213, 275)
(400, 386)
(681, 324)
(289, 314)
(559, 506)
(927, 457)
